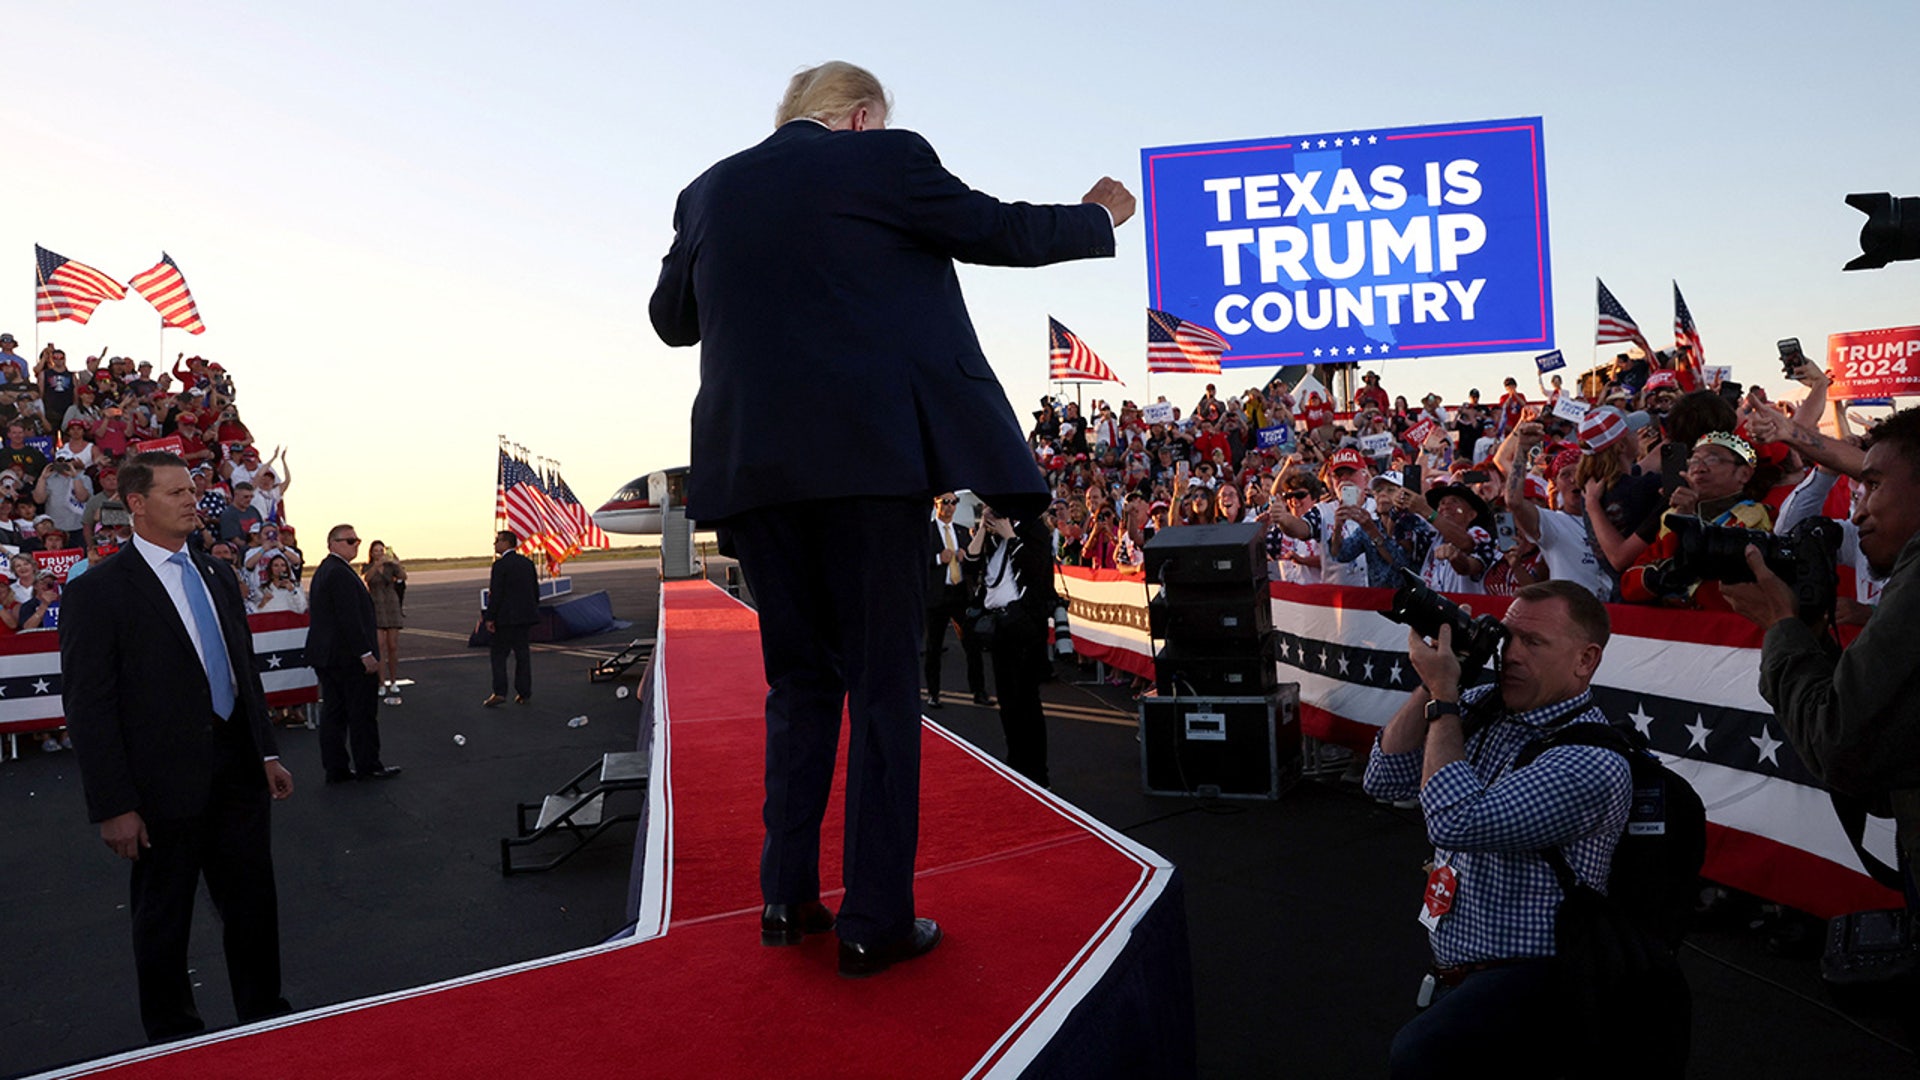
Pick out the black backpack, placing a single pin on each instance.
(1614, 954)
(1654, 880)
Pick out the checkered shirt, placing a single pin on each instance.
(1489, 822)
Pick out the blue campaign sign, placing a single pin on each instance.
(1278, 437)
(42, 443)
(1370, 243)
(1550, 361)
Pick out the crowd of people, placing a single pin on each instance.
(1484, 497)
(69, 430)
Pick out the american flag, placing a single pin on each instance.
(1176, 345)
(1070, 359)
(590, 534)
(1686, 335)
(64, 289)
(166, 289)
(530, 511)
(1615, 324)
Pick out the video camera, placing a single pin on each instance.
(1476, 638)
(1804, 558)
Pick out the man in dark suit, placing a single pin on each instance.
(176, 753)
(841, 385)
(513, 607)
(344, 652)
(949, 596)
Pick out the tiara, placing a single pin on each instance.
(1728, 440)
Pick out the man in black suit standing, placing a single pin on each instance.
(513, 607)
(344, 652)
(176, 753)
(841, 385)
(948, 598)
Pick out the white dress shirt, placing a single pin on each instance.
(175, 582)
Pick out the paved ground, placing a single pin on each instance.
(1300, 911)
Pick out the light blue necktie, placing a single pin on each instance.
(212, 645)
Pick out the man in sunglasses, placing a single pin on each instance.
(344, 651)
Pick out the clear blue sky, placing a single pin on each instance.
(414, 226)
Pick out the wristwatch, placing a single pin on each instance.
(1438, 709)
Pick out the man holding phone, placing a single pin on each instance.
(1347, 479)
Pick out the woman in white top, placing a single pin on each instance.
(281, 591)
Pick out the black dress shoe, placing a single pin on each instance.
(492, 700)
(982, 699)
(341, 778)
(933, 703)
(786, 924)
(384, 772)
(860, 961)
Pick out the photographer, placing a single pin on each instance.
(1017, 595)
(1492, 899)
(1850, 713)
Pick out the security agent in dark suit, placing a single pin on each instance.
(1017, 595)
(841, 384)
(344, 652)
(513, 607)
(949, 597)
(176, 753)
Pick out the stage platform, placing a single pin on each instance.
(1065, 954)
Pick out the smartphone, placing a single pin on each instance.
(1673, 467)
(1349, 495)
(1790, 355)
(1411, 475)
(1504, 536)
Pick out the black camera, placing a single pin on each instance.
(1804, 559)
(1475, 637)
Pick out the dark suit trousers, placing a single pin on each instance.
(1020, 661)
(230, 844)
(952, 608)
(841, 588)
(349, 703)
(515, 640)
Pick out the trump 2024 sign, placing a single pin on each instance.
(1362, 244)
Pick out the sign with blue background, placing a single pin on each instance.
(1358, 245)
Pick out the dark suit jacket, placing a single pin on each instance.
(816, 271)
(340, 614)
(936, 574)
(513, 591)
(137, 700)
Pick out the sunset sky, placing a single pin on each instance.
(413, 227)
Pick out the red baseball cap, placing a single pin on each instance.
(1663, 379)
(1347, 458)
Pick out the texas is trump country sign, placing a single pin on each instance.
(1363, 244)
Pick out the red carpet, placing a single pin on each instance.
(1036, 900)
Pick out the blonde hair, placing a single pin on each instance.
(831, 92)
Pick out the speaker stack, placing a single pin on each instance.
(1222, 723)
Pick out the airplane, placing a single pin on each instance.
(635, 508)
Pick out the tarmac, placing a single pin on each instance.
(1306, 952)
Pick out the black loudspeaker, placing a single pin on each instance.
(1207, 555)
(1193, 614)
(1225, 747)
(1194, 669)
